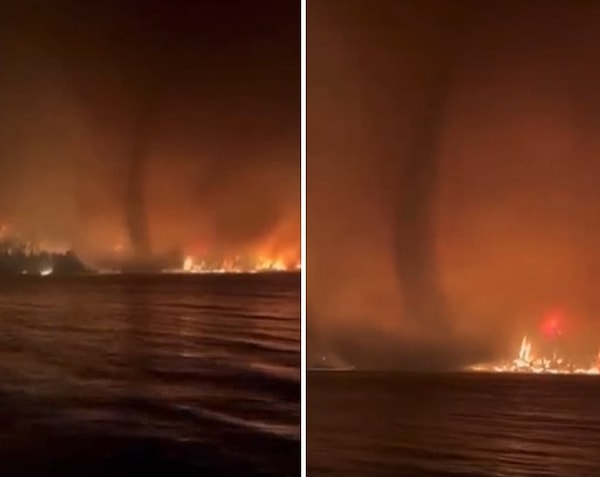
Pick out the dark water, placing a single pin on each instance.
(452, 425)
(166, 375)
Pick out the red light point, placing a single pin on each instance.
(552, 324)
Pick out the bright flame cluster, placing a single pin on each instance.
(527, 362)
(237, 265)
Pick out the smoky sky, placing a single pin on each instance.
(452, 192)
(206, 93)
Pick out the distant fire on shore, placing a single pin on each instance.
(274, 253)
(528, 361)
(239, 265)
(20, 255)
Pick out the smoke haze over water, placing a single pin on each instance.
(505, 209)
(206, 93)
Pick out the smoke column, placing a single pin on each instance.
(136, 213)
(391, 309)
(415, 260)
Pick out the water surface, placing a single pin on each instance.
(180, 375)
(386, 424)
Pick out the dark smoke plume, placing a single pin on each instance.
(414, 233)
(136, 212)
(145, 118)
(401, 98)
(144, 82)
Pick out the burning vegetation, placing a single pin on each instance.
(528, 361)
(275, 251)
(19, 255)
(549, 356)
(238, 265)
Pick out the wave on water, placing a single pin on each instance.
(209, 367)
(451, 424)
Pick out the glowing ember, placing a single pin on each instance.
(527, 362)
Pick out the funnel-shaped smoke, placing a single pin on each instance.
(136, 213)
(415, 259)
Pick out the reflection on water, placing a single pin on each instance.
(190, 372)
(452, 424)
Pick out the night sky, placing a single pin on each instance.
(205, 93)
(453, 198)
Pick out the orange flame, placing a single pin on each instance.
(527, 362)
(276, 252)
